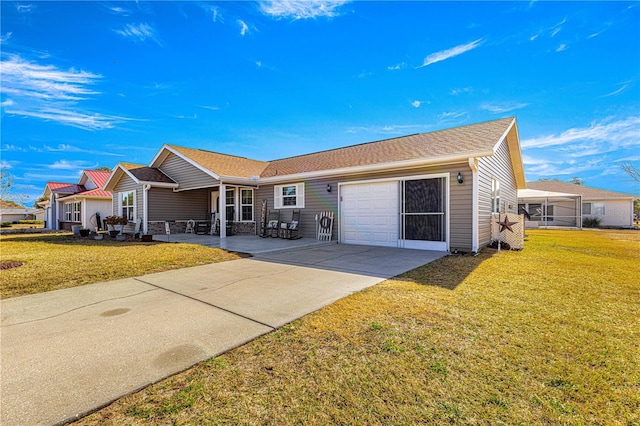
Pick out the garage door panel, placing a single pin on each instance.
(370, 213)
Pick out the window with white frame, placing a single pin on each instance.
(76, 211)
(495, 195)
(127, 205)
(68, 211)
(593, 209)
(230, 203)
(246, 205)
(289, 196)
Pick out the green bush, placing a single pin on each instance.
(5, 224)
(591, 222)
(31, 222)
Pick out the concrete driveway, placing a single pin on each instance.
(66, 353)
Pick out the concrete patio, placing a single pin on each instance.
(251, 244)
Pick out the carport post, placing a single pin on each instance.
(223, 210)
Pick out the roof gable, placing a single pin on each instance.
(97, 178)
(139, 174)
(587, 192)
(213, 163)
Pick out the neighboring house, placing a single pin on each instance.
(13, 212)
(435, 190)
(615, 209)
(79, 203)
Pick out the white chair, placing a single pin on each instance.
(191, 224)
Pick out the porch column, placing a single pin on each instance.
(223, 210)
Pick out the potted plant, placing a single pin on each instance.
(113, 221)
(84, 232)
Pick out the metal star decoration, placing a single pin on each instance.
(506, 224)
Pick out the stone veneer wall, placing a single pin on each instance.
(179, 226)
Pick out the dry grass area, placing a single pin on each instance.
(549, 335)
(58, 261)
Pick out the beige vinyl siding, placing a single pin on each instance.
(127, 184)
(164, 204)
(317, 199)
(497, 166)
(186, 174)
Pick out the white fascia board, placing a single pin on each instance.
(232, 180)
(504, 136)
(185, 158)
(159, 184)
(396, 165)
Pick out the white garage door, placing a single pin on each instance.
(369, 213)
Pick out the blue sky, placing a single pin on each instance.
(89, 84)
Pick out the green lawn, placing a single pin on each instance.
(57, 261)
(548, 335)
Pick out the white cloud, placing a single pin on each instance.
(500, 108)
(561, 48)
(49, 93)
(456, 92)
(11, 147)
(71, 148)
(4, 38)
(301, 9)
(397, 67)
(140, 32)
(451, 115)
(67, 165)
(24, 8)
(243, 27)
(416, 104)
(618, 91)
(619, 133)
(395, 129)
(450, 53)
(213, 108)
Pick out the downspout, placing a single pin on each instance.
(145, 208)
(473, 165)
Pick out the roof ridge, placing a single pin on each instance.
(390, 139)
(215, 152)
(344, 147)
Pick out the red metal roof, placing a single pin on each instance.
(98, 177)
(65, 188)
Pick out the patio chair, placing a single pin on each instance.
(292, 227)
(190, 225)
(273, 224)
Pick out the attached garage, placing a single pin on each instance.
(410, 212)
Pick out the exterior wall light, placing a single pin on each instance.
(460, 178)
(328, 187)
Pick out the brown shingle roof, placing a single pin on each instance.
(150, 174)
(570, 188)
(460, 140)
(223, 164)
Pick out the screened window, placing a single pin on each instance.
(246, 204)
(289, 196)
(127, 203)
(541, 213)
(495, 196)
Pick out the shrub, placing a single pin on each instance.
(5, 224)
(31, 222)
(591, 222)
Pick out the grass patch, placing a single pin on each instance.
(548, 335)
(57, 261)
